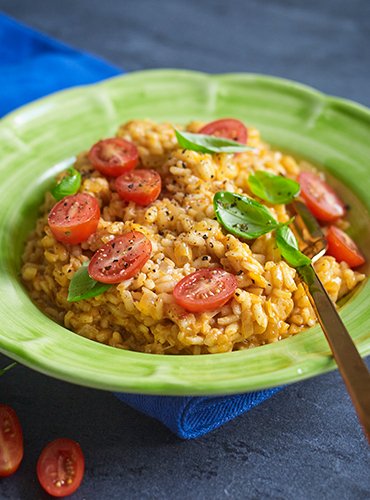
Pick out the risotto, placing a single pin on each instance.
(268, 303)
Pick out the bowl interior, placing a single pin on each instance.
(41, 139)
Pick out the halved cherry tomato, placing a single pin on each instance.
(141, 186)
(60, 467)
(11, 441)
(205, 290)
(228, 128)
(112, 157)
(320, 198)
(74, 218)
(342, 247)
(121, 258)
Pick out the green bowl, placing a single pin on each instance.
(39, 140)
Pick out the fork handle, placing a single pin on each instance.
(351, 366)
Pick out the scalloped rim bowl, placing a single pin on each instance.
(38, 140)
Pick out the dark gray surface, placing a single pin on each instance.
(324, 43)
(304, 443)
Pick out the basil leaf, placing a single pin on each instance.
(68, 185)
(273, 188)
(307, 273)
(288, 246)
(82, 286)
(209, 143)
(243, 216)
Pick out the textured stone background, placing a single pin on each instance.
(304, 443)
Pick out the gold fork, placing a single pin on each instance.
(355, 374)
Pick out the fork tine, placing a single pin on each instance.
(311, 239)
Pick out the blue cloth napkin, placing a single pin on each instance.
(192, 417)
(33, 65)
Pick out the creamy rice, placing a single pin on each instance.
(140, 313)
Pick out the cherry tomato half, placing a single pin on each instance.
(11, 441)
(74, 218)
(320, 198)
(60, 467)
(205, 290)
(112, 157)
(121, 258)
(342, 247)
(141, 186)
(228, 128)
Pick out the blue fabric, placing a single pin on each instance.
(33, 65)
(192, 417)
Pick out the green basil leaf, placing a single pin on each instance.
(82, 286)
(273, 188)
(209, 143)
(288, 246)
(307, 273)
(68, 185)
(243, 216)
